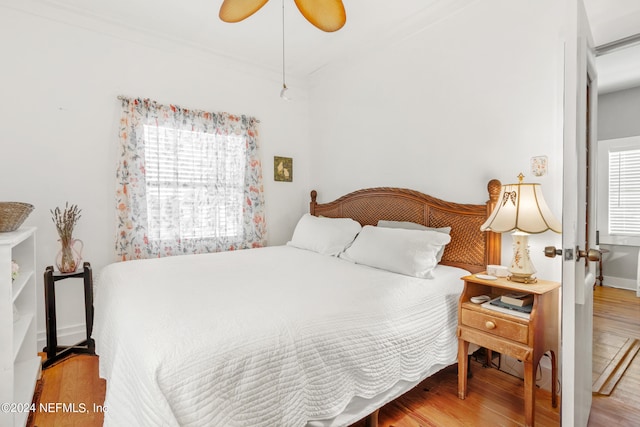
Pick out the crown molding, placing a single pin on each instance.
(62, 13)
(360, 43)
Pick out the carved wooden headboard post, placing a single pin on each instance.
(312, 204)
(469, 248)
(494, 240)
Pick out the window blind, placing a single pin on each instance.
(194, 182)
(624, 192)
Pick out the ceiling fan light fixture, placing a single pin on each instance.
(283, 93)
(236, 10)
(327, 15)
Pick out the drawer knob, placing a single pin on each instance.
(490, 325)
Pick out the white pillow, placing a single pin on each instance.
(415, 226)
(409, 252)
(328, 236)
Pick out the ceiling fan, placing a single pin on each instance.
(327, 15)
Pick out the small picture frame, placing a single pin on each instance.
(283, 169)
(539, 165)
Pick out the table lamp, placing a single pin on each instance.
(521, 207)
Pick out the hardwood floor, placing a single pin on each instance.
(616, 313)
(73, 382)
(495, 398)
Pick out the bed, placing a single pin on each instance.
(291, 335)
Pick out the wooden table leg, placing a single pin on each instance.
(600, 276)
(463, 366)
(88, 306)
(372, 419)
(554, 379)
(529, 393)
(50, 309)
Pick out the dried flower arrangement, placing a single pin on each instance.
(68, 259)
(65, 221)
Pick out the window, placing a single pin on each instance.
(619, 191)
(198, 176)
(188, 182)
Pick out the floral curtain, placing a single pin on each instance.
(188, 182)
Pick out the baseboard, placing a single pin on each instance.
(621, 283)
(67, 335)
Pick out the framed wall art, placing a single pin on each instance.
(282, 169)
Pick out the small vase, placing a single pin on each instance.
(69, 256)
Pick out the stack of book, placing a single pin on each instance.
(519, 304)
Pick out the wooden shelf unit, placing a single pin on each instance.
(20, 365)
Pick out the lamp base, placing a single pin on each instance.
(521, 269)
(522, 278)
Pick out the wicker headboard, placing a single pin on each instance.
(469, 248)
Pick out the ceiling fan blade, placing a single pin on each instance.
(237, 10)
(328, 15)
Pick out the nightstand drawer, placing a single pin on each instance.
(496, 326)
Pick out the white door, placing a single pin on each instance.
(578, 215)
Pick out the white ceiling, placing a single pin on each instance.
(257, 41)
(613, 20)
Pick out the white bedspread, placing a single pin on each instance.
(263, 337)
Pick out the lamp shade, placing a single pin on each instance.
(521, 207)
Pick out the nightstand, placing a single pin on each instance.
(525, 339)
(55, 353)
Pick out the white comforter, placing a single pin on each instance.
(263, 337)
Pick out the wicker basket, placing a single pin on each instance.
(13, 214)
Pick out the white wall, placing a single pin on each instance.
(619, 117)
(469, 99)
(59, 113)
(618, 114)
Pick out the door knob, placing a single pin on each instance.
(551, 251)
(591, 254)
